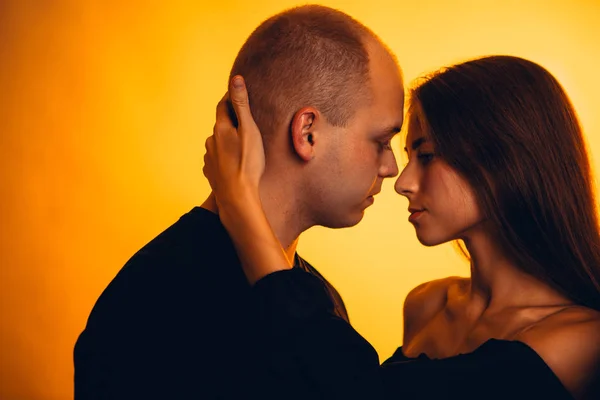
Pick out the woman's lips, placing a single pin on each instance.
(414, 215)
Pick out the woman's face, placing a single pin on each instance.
(442, 204)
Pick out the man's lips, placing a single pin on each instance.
(372, 196)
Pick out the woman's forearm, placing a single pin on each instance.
(258, 248)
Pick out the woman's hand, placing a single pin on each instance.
(234, 163)
(235, 158)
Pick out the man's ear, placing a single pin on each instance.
(304, 133)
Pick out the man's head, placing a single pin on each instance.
(327, 96)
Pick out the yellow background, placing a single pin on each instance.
(104, 108)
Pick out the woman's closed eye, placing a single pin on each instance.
(425, 158)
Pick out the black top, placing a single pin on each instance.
(337, 363)
(177, 321)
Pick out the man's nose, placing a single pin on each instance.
(389, 167)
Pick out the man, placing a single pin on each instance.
(176, 321)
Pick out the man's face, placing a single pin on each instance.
(357, 157)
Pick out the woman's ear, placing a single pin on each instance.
(304, 135)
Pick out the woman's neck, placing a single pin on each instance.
(497, 283)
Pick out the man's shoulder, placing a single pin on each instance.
(308, 267)
(190, 256)
(305, 265)
(340, 306)
(195, 237)
(198, 228)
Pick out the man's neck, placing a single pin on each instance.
(284, 231)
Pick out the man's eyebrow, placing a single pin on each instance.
(389, 130)
(417, 142)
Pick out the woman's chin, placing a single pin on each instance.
(429, 241)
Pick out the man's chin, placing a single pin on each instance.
(346, 221)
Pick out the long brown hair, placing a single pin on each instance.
(508, 127)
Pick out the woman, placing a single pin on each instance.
(496, 158)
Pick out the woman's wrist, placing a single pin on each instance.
(258, 248)
(239, 205)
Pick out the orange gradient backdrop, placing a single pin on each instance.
(104, 109)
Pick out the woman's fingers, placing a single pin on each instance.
(234, 160)
(238, 95)
(221, 104)
(225, 135)
(251, 143)
(209, 160)
(223, 118)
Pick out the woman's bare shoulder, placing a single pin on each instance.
(425, 300)
(569, 343)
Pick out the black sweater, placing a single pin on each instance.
(177, 322)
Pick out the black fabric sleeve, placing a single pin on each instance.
(329, 359)
(321, 354)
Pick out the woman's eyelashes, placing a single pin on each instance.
(425, 157)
